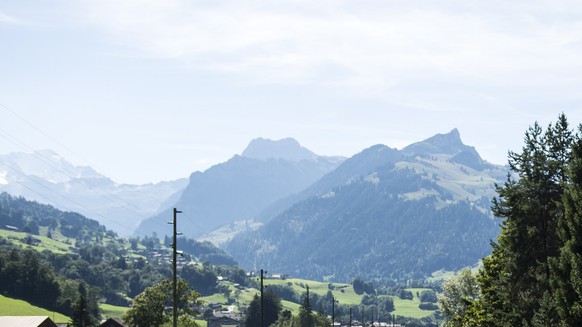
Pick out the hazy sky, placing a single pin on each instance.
(153, 90)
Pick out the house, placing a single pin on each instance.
(113, 322)
(279, 276)
(26, 321)
(223, 322)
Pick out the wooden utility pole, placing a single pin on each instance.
(174, 270)
(332, 311)
(262, 302)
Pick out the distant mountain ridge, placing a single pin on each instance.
(382, 214)
(46, 177)
(47, 165)
(240, 188)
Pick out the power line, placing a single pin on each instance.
(22, 145)
(43, 159)
(104, 194)
(60, 204)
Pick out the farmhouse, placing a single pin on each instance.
(112, 322)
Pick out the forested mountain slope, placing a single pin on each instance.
(417, 210)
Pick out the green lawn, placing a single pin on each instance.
(111, 311)
(13, 307)
(409, 308)
(214, 298)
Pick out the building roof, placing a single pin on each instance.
(26, 321)
(112, 322)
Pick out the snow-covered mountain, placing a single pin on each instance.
(46, 177)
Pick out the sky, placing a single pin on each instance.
(153, 90)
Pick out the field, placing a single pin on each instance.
(409, 308)
(111, 311)
(13, 307)
(344, 293)
(19, 238)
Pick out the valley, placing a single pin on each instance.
(392, 218)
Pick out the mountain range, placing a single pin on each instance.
(46, 177)
(383, 213)
(245, 185)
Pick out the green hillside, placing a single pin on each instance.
(65, 249)
(23, 240)
(13, 307)
(343, 293)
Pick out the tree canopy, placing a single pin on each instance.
(150, 307)
(534, 275)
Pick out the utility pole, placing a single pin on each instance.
(262, 302)
(174, 269)
(350, 317)
(332, 311)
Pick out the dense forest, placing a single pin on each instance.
(370, 230)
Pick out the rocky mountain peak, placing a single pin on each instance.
(449, 143)
(287, 148)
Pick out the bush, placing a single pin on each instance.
(428, 296)
(406, 295)
(428, 306)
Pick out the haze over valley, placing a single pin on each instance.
(373, 163)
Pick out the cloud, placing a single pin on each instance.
(372, 47)
(6, 19)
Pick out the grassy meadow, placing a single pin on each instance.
(14, 307)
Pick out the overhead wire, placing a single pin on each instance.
(54, 201)
(104, 194)
(20, 144)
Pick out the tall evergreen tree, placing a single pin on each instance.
(516, 276)
(271, 312)
(306, 318)
(254, 312)
(81, 315)
(567, 269)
